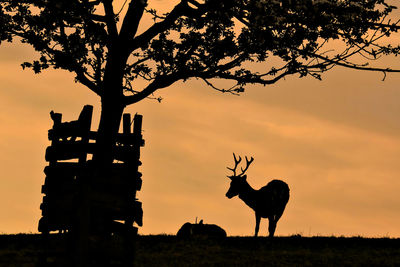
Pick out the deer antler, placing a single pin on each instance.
(237, 161)
(248, 162)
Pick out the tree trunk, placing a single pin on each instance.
(111, 113)
(112, 107)
(110, 119)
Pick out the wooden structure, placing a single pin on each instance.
(76, 190)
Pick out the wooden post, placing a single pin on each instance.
(56, 117)
(127, 237)
(83, 209)
(85, 121)
(126, 124)
(127, 131)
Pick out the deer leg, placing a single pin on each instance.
(272, 226)
(278, 216)
(258, 219)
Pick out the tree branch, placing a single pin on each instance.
(81, 77)
(99, 18)
(143, 39)
(158, 83)
(110, 18)
(234, 90)
(132, 19)
(254, 79)
(352, 65)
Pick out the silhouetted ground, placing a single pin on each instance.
(163, 250)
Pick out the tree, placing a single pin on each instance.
(203, 39)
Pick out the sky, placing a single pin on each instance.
(336, 142)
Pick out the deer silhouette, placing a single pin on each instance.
(267, 202)
(201, 230)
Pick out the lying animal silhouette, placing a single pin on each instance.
(200, 230)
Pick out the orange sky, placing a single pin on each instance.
(336, 143)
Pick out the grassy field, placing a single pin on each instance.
(163, 250)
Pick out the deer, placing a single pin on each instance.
(267, 202)
(201, 229)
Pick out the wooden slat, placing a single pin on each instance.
(120, 187)
(67, 130)
(121, 138)
(62, 202)
(127, 154)
(109, 200)
(66, 173)
(130, 139)
(58, 218)
(123, 229)
(73, 150)
(132, 210)
(68, 151)
(59, 186)
(54, 224)
(64, 168)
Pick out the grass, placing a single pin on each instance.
(262, 251)
(163, 250)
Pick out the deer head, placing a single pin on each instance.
(237, 180)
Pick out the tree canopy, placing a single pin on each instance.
(197, 39)
(115, 53)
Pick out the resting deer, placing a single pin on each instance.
(267, 202)
(201, 230)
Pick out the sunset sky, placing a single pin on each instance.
(336, 142)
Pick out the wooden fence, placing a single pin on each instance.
(76, 191)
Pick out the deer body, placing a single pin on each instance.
(201, 230)
(267, 202)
